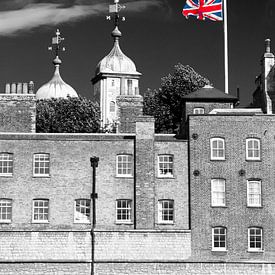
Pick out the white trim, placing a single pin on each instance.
(9, 206)
(160, 209)
(219, 248)
(9, 164)
(130, 175)
(39, 161)
(260, 193)
(88, 219)
(167, 175)
(128, 210)
(40, 221)
(213, 181)
(218, 148)
(199, 109)
(254, 149)
(253, 249)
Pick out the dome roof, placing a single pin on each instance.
(116, 61)
(56, 87)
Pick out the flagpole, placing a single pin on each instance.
(225, 47)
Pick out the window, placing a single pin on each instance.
(130, 86)
(112, 107)
(165, 166)
(124, 165)
(123, 211)
(41, 165)
(82, 211)
(166, 211)
(252, 149)
(219, 238)
(218, 192)
(5, 210)
(254, 193)
(40, 211)
(198, 111)
(217, 149)
(255, 236)
(113, 82)
(6, 164)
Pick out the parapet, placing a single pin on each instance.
(18, 108)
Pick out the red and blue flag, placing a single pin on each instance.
(204, 9)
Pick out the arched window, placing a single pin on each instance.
(217, 147)
(198, 111)
(253, 149)
(112, 107)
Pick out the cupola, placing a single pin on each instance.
(56, 87)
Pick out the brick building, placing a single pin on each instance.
(198, 203)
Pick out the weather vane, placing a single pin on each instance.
(56, 40)
(115, 9)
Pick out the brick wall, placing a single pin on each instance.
(17, 113)
(235, 216)
(142, 245)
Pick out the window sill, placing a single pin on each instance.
(6, 175)
(40, 222)
(41, 176)
(253, 160)
(82, 222)
(219, 251)
(165, 177)
(165, 223)
(124, 177)
(255, 251)
(218, 206)
(5, 222)
(251, 206)
(124, 222)
(218, 159)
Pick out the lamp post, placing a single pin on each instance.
(94, 165)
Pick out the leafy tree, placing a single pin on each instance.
(165, 103)
(71, 115)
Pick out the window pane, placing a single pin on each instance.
(166, 211)
(124, 165)
(165, 165)
(6, 164)
(123, 210)
(40, 210)
(82, 210)
(41, 164)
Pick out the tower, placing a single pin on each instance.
(56, 87)
(115, 77)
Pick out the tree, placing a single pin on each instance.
(165, 103)
(71, 115)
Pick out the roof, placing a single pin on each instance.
(209, 93)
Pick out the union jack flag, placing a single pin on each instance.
(204, 9)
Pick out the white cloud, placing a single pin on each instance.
(36, 15)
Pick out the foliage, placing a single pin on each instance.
(165, 103)
(70, 115)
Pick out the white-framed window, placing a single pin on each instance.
(219, 238)
(218, 192)
(166, 211)
(253, 149)
(254, 193)
(5, 210)
(40, 211)
(217, 147)
(112, 107)
(41, 164)
(6, 164)
(123, 211)
(82, 211)
(165, 166)
(255, 239)
(198, 111)
(124, 165)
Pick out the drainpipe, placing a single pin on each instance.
(94, 165)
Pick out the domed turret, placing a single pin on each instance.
(56, 87)
(116, 61)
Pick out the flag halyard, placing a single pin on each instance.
(204, 9)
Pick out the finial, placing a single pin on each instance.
(115, 9)
(56, 40)
(267, 45)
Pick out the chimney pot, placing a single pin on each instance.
(8, 88)
(267, 45)
(13, 88)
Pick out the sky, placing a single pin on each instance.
(155, 35)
